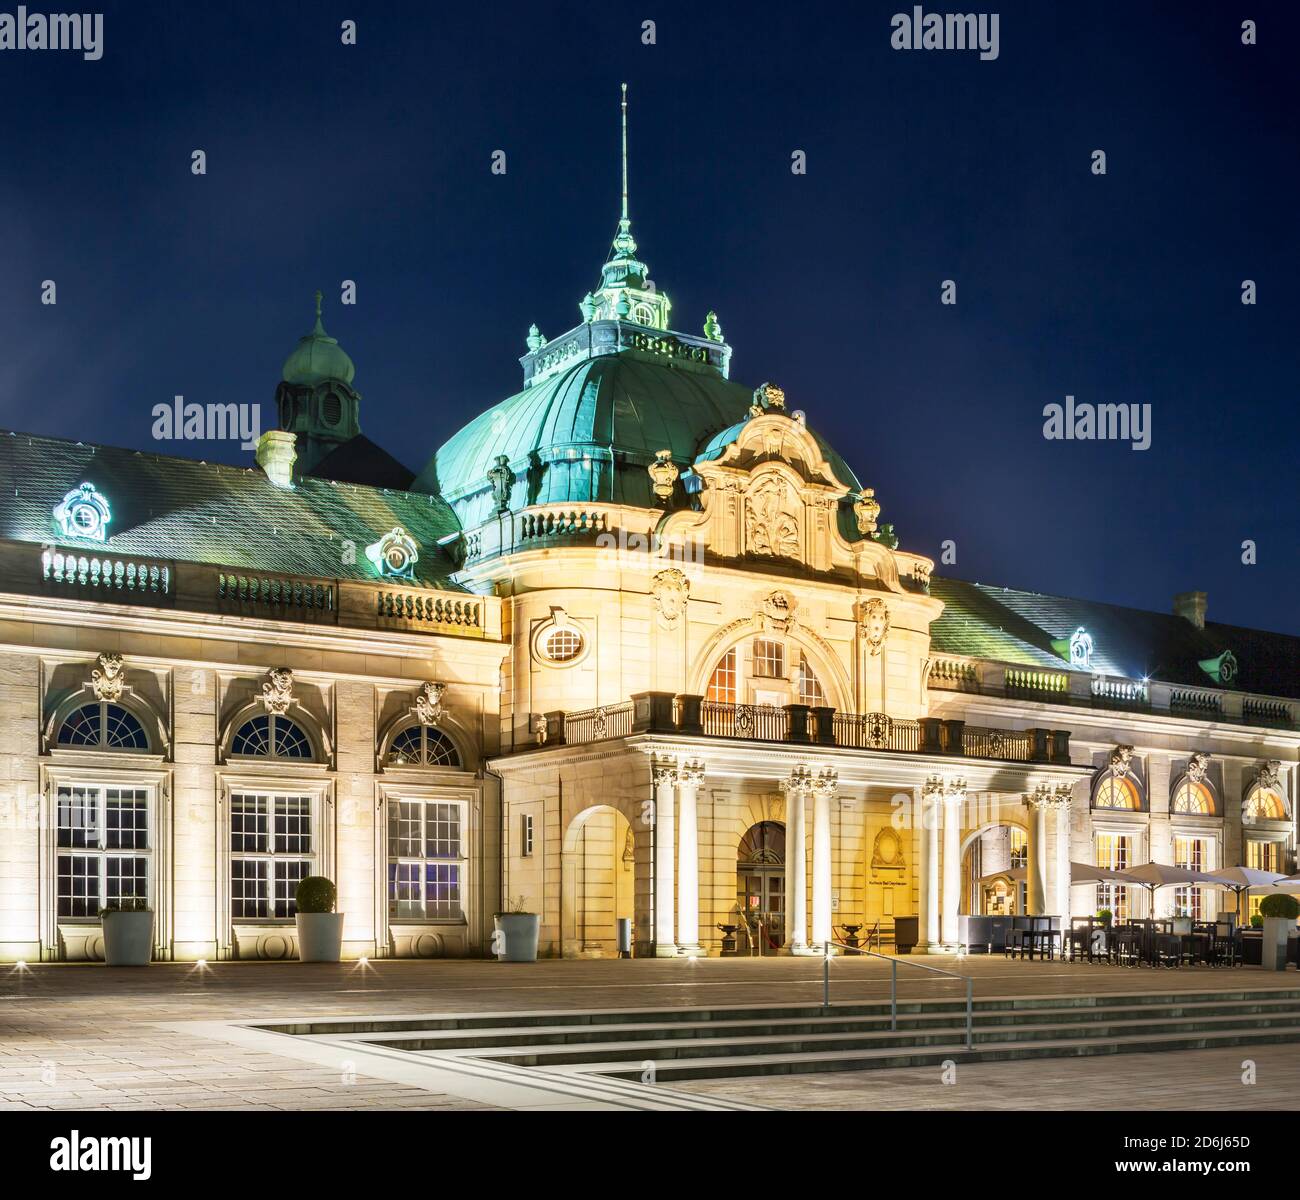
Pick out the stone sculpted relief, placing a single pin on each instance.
(671, 589)
(107, 680)
(771, 527)
(873, 620)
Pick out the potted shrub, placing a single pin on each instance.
(1105, 916)
(1279, 913)
(320, 928)
(1256, 921)
(128, 932)
(515, 936)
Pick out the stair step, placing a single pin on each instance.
(335, 1027)
(563, 1034)
(661, 1050)
(738, 1066)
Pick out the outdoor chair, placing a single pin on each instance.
(1126, 947)
(1013, 945)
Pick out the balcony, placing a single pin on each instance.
(1080, 689)
(664, 713)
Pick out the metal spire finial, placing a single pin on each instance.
(624, 215)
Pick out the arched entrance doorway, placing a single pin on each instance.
(760, 887)
(598, 883)
(993, 870)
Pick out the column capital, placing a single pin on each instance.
(799, 782)
(954, 791)
(691, 772)
(826, 782)
(1044, 796)
(664, 771)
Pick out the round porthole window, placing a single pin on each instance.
(563, 645)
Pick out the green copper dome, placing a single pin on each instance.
(317, 357)
(585, 434)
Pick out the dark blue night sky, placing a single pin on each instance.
(371, 163)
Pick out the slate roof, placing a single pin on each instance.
(1019, 627)
(359, 460)
(180, 508)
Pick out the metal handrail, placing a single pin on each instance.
(894, 961)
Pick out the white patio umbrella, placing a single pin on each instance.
(1155, 875)
(1284, 887)
(1243, 879)
(1084, 873)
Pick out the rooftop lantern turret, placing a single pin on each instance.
(315, 399)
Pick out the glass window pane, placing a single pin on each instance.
(248, 825)
(78, 885)
(289, 872)
(248, 888)
(78, 817)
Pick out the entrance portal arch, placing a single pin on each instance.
(598, 882)
(993, 869)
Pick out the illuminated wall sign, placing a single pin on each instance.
(83, 513)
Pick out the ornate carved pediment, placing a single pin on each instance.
(1197, 766)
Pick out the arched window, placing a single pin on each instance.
(1193, 797)
(102, 726)
(270, 735)
(810, 687)
(423, 746)
(1116, 791)
(722, 683)
(763, 845)
(1265, 804)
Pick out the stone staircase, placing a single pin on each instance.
(732, 1041)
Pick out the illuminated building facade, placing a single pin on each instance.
(634, 644)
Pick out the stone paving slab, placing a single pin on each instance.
(78, 1036)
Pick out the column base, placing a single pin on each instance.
(802, 951)
(695, 951)
(665, 950)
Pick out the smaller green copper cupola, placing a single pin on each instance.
(315, 399)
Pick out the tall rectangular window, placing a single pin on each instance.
(810, 687)
(769, 659)
(1113, 851)
(271, 851)
(1193, 854)
(526, 836)
(103, 848)
(426, 860)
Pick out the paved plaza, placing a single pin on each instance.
(176, 1036)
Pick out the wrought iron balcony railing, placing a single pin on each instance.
(663, 712)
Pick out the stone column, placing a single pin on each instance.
(796, 899)
(932, 817)
(665, 780)
(689, 779)
(1036, 859)
(954, 797)
(825, 785)
(1062, 798)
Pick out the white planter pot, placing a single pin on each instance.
(320, 937)
(128, 938)
(1277, 930)
(516, 936)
